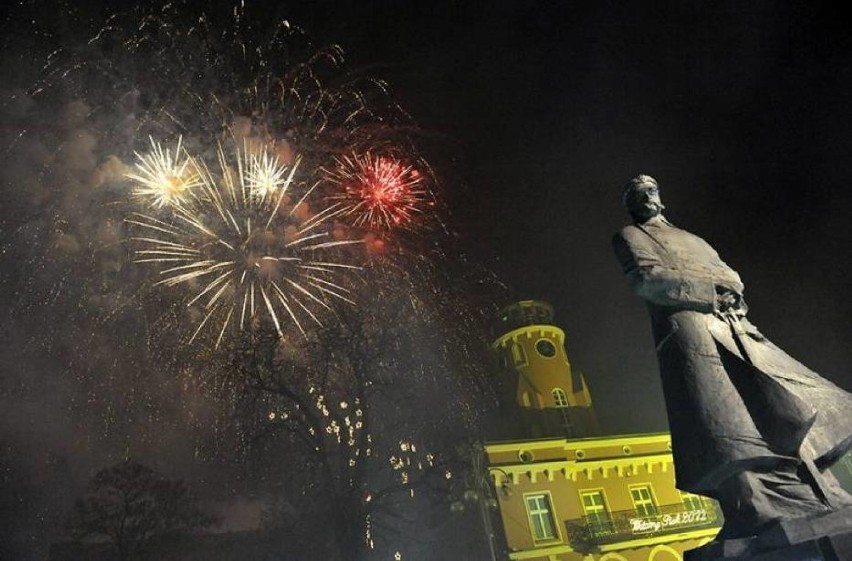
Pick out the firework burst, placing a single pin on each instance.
(378, 192)
(246, 246)
(265, 175)
(163, 177)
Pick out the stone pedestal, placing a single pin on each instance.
(821, 538)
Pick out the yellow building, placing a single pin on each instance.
(549, 398)
(596, 499)
(581, 496)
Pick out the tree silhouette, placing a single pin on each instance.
(128, 504)
(361, 419)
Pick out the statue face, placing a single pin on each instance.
(643, 201)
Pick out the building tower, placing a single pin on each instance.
(550, 399)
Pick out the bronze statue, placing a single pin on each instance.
(751, 426)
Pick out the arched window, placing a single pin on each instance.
(559, 397)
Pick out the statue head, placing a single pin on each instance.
(642, 198)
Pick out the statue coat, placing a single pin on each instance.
(734, 400)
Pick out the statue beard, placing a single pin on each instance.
(648, 211)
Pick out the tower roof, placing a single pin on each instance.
(520, 314)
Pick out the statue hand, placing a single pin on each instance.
(728, 298)
(726, 301)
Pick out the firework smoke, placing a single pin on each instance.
(228, 131)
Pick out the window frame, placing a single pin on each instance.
(652, 499)
(560, 398)
(550, 513)
(691, 501)
(605, 520)
(541, 354)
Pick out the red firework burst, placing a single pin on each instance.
(378, 192)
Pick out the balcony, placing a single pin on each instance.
(589, 532)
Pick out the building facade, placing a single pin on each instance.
(564, 492)
(596, 499)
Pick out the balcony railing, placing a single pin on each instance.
(590, 531)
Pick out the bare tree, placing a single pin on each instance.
(362, 416)
(129, 503)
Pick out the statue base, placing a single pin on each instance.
(827, 537)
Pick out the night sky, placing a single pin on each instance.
(542, 111)
(534, 115)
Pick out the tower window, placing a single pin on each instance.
(559, 397)
(545, 348)
(541, 517)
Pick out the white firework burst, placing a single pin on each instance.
(163, 177)
(242, 252)
(265, 175)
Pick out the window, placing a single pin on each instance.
(519, 357)
(541, 517)
(597, 514)
(545, 348)
(643, 500)
(559, 397)
(691, 502)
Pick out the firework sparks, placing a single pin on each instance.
(163, 177)
(378, 192)
(265, 175)
(245, 247)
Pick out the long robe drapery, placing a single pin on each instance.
(734, 400)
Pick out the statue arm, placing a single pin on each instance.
(656, 282)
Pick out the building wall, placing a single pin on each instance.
(537, 354)
(540, 481)
(562, 470)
